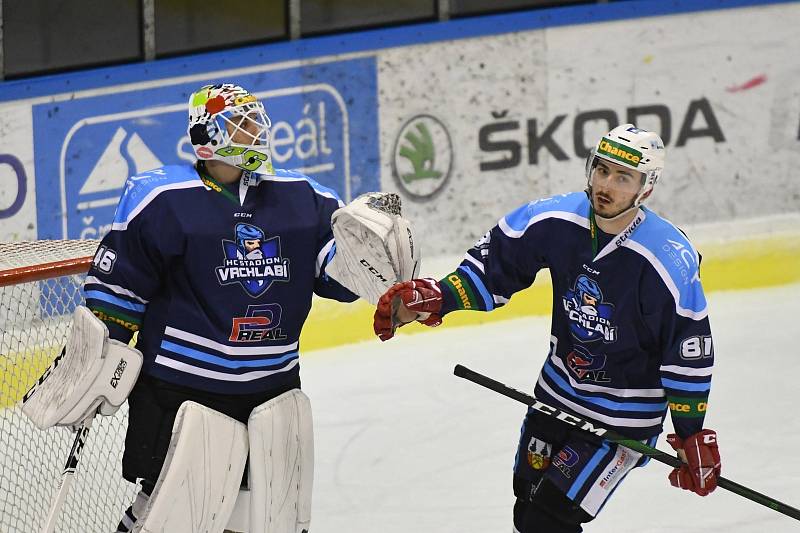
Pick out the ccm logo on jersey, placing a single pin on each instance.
(118, 373)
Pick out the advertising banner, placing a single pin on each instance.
(495, 122)
(323, 124)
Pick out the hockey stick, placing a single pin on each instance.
(612, 436)
(68, 475)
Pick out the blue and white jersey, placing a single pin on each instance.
(630, 337)
(217, 280)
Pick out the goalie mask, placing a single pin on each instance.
(632, 148)
(229, 124)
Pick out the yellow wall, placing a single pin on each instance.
(745, 264)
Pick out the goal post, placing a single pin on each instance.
(40, 286)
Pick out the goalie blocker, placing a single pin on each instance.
(374, 246)
(92, 374)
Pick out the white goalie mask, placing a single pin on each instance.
(633, 148)
(229, 124)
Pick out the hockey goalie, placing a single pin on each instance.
(213, 266)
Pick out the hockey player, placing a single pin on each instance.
(630, 337)
(214, 265)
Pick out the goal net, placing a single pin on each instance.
(40, 286)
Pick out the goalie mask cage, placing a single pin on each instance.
(40, 286)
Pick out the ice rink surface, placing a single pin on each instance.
(404, 446)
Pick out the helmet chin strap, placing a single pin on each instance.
(636, 203)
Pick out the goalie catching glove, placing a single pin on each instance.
(703, 465)
(374, 246)
(418, 299)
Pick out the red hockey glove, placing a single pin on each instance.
(418, 299)
(702, 467)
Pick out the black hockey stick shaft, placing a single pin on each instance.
(68, 475)
(612, 436)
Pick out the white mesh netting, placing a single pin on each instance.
(34, 322)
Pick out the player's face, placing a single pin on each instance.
(614, 188)
(251, 244)
(243, 129)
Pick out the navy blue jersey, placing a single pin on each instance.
(630, 337)
(217, 280)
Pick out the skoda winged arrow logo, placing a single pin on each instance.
(422, 157)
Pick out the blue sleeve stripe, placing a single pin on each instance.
(119, 302)
(602, 402)
(488, 301)
(682, 385)
(221, 361)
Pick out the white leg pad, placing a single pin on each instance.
(199, 482)
(281, 464)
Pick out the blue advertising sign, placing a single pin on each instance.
(324, 124)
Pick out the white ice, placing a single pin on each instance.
(404, 446)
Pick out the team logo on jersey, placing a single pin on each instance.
(589, 316)
(260, 323)
(565, 459)
(252, 260)
(586, 366)
(539, 454)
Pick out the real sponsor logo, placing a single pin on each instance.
(589, 316)
(260, 323)
(423, 156)
(252, 260)
(586, 366)
(565, 459)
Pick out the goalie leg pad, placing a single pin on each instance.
(281, 464)
(200, 479)
(92, 372)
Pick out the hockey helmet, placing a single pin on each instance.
(630, 147)
(219, 112)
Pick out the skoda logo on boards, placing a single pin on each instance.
(422, 157)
